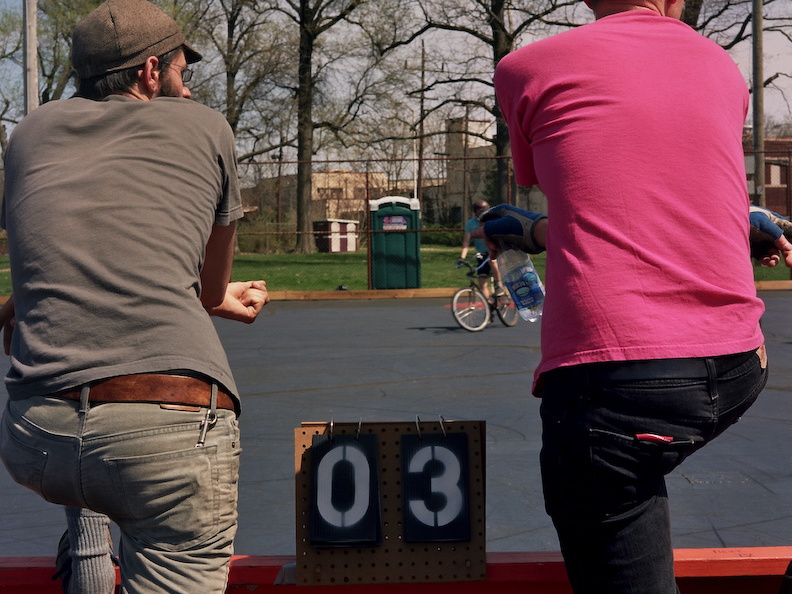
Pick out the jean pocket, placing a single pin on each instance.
(169, 499)
(630, 470)
(25, 464)
(642, 453)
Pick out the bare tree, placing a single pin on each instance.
(313, 20)
(340, 76)
(248, 64)
(10, 95)
(484, 32)
(334, 74)
(729, 23)
(489, 29)
(779, 128)
(56, 23)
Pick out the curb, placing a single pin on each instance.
(422, 293)
(377, 294)
(430, 293)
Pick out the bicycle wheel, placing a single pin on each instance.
(470, 309)
(507, 311)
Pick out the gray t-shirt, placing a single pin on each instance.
(108, 207)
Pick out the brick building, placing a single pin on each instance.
(778, 162)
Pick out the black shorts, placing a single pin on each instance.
(484, 270)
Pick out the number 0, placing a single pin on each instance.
(324, 486)
(345, 491)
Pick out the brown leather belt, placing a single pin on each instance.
(157, 388)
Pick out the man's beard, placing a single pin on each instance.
(168, 89)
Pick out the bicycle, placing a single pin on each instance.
(473, 311)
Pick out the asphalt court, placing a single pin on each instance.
(402, 359)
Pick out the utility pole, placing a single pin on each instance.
(30, 57)
(419, 174)
(758, 104)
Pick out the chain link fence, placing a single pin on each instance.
(444, 186)
(344, 195)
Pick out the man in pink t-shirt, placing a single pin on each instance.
(651, 346)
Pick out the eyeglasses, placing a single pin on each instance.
(186, 73)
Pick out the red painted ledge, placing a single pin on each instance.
(699, 571)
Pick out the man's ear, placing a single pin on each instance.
(150, 77)
(674, 8)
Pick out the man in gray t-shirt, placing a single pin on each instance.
(120, 206)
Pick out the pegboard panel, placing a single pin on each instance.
(437, 487)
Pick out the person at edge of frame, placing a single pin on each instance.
(648, 350)
(120, 206)
(770, 235)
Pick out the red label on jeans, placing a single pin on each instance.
(653, 437)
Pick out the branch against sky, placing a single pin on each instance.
(365, 70)
(730, 24)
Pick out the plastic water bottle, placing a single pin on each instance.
(522, 281)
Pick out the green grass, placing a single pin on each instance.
(780, 272)
(322, 272)
(325, 272)
(303, 272)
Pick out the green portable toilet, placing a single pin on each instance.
(395, 243)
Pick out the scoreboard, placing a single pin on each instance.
(390, 502)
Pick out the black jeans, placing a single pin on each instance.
(611, 432)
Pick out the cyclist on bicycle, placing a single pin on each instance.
(486, 269)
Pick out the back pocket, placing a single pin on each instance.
(25, 464)
(169, 499)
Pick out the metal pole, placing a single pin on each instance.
(758, 104)
(415, 164)
(366, 222)
(280, 178)
(30, 57)
(419, 175)
(465, 188)
(789, 185)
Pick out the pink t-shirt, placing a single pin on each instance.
(632, 127)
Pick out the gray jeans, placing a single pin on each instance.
(175, 503)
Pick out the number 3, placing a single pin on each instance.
(447, 484)
(436, 487)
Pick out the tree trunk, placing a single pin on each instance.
(501, 45)
(503, 179)
(305, 243)
(232, 105)
(690, 14)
